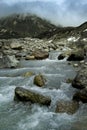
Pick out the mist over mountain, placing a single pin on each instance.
(64, 12)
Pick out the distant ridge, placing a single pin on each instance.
(23, 26)
(20, 26)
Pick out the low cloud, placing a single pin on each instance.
(64, 12)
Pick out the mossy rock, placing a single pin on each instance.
(24, 95)
(39, 80)
(28, 74)
(69, 80)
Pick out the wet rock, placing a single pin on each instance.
(16, 46)
(77, 55)
(81, 96)
(80, 81)
(61, 56)
(39, 80)
(69, 107)
(28, 74)
(69, 80)
(39, 54)
(25, 95)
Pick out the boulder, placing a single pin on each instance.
(77, 55)
(40, 55)
(16, 46)
(81, 96)
(80, 81)
(64, 54)
(39, 80)
(61, 56)
(25, 95)
(7, 61)
(69, 107)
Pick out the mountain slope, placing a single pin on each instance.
(23, 26)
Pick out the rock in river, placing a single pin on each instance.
(39, 80)
(33, 97)
(69, 107)
(77, 55)
(61, 56)
(80, 81)
(40, 55)
(81, 95)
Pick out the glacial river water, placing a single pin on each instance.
(23, 116)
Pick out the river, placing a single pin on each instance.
(23, 116)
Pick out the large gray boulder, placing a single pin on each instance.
(80, 81)
(25, 95)
(69, 107)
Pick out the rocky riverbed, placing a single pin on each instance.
(43, 80)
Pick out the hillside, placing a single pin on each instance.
(23, 26)
(16, 26)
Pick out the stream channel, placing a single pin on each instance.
(22, 116)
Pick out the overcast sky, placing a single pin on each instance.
(65, 12)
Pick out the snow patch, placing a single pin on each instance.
(72, 39)
(85, 30)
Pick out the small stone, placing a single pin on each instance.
(81, 62)
(28, 57)
(75, 65)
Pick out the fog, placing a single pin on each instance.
(59, 12)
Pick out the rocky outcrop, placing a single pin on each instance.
(40, 55)
(80, 81)
(39, 80)
(77, 55)
(81, 96)
(25, 95)
(69, 107)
